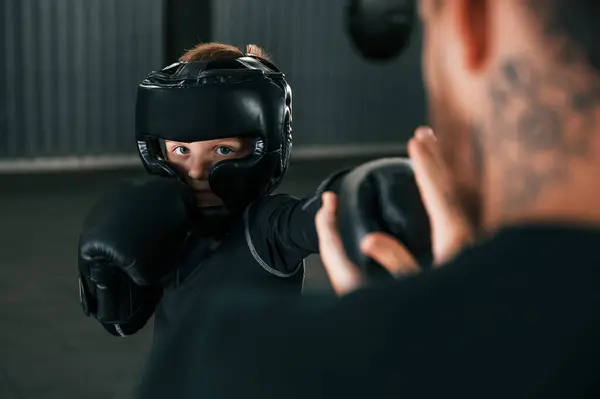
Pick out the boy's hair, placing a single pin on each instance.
(220, 51)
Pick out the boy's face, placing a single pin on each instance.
(194, 160)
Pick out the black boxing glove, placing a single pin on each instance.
(120, 306)
(382, 196)
(332, 182)
(131, 240)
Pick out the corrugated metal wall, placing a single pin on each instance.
(338, 97)
(70, 70)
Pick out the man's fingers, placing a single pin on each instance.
(343, 274)
(430, 173)
(435, 184)
(389, 253)
(449, 225)
(325, 216)
(425, 135)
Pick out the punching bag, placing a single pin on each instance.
(380, 29)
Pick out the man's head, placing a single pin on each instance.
(194, 160)
(514, 89)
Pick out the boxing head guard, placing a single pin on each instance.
(207, 100)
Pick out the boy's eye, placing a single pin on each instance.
(224, 150)
(181, 150)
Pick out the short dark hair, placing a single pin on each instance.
(573, 21)
(219, 51)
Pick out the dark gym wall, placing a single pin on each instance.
(3, 115)
(339, 98)
(71, 67)
(187, 22)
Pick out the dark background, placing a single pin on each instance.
(68, 75)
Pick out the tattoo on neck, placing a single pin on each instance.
(541, 119)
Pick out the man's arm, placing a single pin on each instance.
(281, 228)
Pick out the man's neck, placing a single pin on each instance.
(572, 197)
(540, 140)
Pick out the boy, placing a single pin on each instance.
(216, 128)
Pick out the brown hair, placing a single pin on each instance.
(220, 51)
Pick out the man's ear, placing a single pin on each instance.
(473, 22)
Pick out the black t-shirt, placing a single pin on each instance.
(516, 316)
(264, 249)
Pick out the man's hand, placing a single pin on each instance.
(450, 229)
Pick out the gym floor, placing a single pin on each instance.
(48, 348)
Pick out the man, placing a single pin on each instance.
(515, 98)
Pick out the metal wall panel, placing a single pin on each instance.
(339, 98)
(70, 71)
